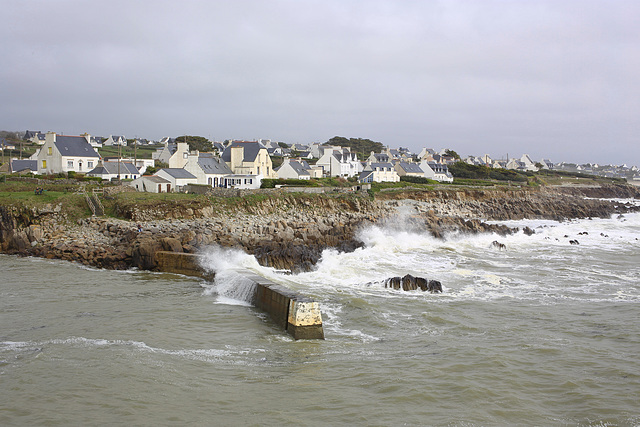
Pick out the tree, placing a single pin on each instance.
(199, 143)
(361, 146)
(451, 153)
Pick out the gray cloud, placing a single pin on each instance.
(552, 79)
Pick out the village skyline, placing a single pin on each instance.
(551, 79)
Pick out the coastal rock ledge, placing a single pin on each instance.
(288, 232)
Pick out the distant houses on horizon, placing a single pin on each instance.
(244, 164)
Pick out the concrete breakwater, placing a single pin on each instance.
(298, 315)
(284, 232)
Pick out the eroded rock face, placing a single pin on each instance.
(287, 233)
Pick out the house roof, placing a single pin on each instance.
(212, 165)
(178, 173)
(111, 168)
(74, 146)
(251, 150)
(381, 165)
(298, 167)
(410, 167)
(154, 178)
(381, 157)
(23, 165)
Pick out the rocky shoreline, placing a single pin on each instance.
(290, 232)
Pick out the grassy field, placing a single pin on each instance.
(128, 152)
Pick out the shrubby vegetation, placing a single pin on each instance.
(361, 146)
(199, 143)
(417, 180)
(465, 170)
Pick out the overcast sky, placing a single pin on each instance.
(556, 79)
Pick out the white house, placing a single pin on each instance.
(379, 172)
(339, 161)
(244, 182)
(151, 184)
(175, 155)
(178, 178)
(378, 158)
(436, 171)
(115, 170)
(62, 153)
(115, 140)
(292, 169)
(207, 169)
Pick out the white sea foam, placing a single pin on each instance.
(230, 285)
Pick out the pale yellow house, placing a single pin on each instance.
(249, 158)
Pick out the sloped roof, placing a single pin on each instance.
(212, 165)
(22, 165)
(155, 178)
(251, 150)
(76, 146)
(299, 168)
(381, 165)
(411, 167)
(111, 168)
(381, 157)
(178, 173)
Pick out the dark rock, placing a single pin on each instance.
(411, 283)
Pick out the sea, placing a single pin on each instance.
(540, 333)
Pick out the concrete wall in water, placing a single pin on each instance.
(298, 315)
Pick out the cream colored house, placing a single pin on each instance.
(62, 153)
(379, 172)
(174, 154)
(249, 158)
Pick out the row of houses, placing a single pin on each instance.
(241, 164)
(378, 167)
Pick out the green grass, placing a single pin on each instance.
(129, 152)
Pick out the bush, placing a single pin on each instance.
(417, 180)
(271, 183)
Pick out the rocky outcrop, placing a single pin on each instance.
(287, 232)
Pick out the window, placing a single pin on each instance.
(50, 151)
(70, 164)
(90, 165)
(44, 164)
(185, 155)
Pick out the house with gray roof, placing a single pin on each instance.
(115, 140)
(408, 169)
(248, 158)
(378, 158)
(151, 184)
(208, 169)
(436, 171)
(292, 169)
(379, 172)
(63, 153)
(23, 166)
(339, 161)
(115, 170)
(178, 178)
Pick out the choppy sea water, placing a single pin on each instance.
(542, 333)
